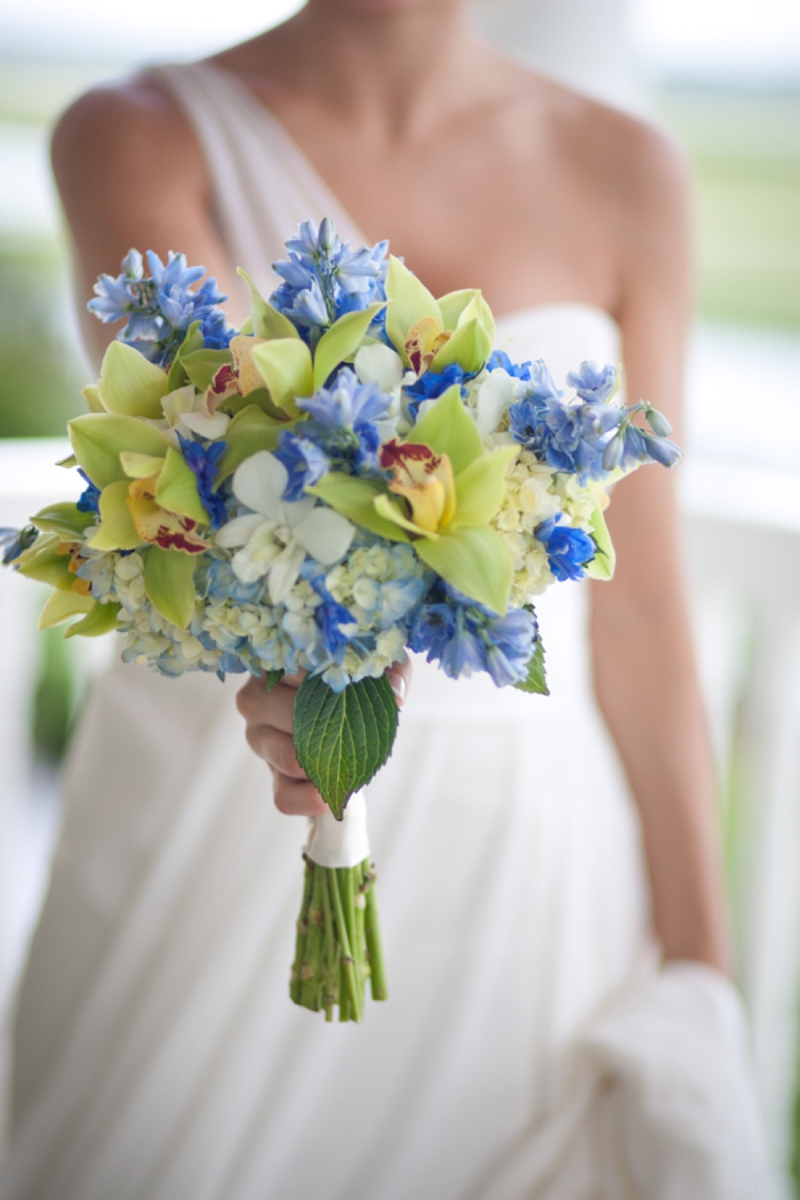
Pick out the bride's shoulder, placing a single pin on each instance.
(127, 128)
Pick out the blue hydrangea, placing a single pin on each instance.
(568, 549)
(323, 278)
(465, 637)
(161, 307)
(204, 462)
(432, 384)
(340, 436)
(89, 499)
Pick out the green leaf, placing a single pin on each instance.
(536, 681)
(129, 384)
(448, 429)
(285, 366)
(266, 321)
(476, 561)
(341, 341)
(605, 560)
(343, 738)
(65, 519)
(116, 530)
(409, 301)
(61, 605)
(273, 678)
(250, 430)
(355, 498)
(192, 341)
(481, 486)
(42, 562)
(99, 438)
(169, 583)
(469, 346)
(202, 365)
(176, 489)
(100, 619)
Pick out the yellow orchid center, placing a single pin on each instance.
(424, 479)
(423, 340)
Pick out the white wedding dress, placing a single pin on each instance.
(530, 1049)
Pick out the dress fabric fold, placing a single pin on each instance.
(531, 1048)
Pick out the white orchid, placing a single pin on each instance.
(276, 535)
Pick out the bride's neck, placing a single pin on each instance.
(396, 71)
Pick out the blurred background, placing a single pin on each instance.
(724, 77)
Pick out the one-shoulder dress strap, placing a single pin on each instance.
(263, 185)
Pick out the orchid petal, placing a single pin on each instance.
(494, 396)
(380, 365)
(260, 482)
(238, 531)
(325, 535)
(284, 572)
(207, 427)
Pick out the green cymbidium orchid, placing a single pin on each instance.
(430, 334)
(444, 491)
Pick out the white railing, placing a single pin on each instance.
(743, 558)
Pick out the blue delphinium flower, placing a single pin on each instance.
(161, 307)
(465, 637)
(89, 500)
(568, 549)
(593, 383)
(16, 541)
(432, 384)
(204, 462)
(499, 359)
(323, 278)
(341, 435)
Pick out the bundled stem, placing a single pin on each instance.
(338, 943)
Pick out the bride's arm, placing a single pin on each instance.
(644, 668)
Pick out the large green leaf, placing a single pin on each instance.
(341, 341)
(285, 366)
(61, 605)
(116, 530)
(604, 562)
(448, 429)
(343, 738)
(65, 519)
(536, 680)
(176, 489)
(476, 561)
(250, 430)
(129, 384)
(100, 619)
(267, 322)
(42, 562)
(169, 583)
(481, 486)
(99, 438)
(202, 365)
(409, 301)
(355, 498)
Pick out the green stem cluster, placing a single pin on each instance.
(338, 943)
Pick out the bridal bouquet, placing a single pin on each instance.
(354, 473)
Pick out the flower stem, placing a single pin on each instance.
(377, 967)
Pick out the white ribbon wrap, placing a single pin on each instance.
(344, 843)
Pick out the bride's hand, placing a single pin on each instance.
(269, 734)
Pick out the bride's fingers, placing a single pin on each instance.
(399, 676)
(260, 707)
(297, 799)
(276, 748)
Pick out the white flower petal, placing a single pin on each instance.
(207, 427)
(260, 482)
(238, 531)
(379, 364)
(325, 534)
(494, 395)
(284, 571)
(258, 555)
(297, 510)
